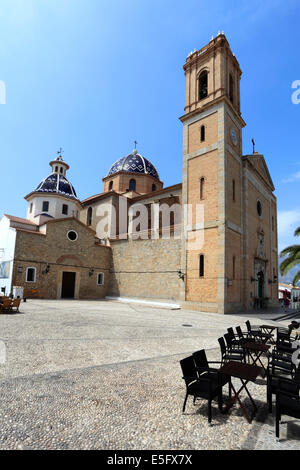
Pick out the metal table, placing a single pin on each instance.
(268, 330)
(246, 373)
(256, 349)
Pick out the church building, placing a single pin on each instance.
(208, 243)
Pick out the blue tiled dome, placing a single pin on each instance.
(135, 163)
(56, 184)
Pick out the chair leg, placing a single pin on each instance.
(229, 390)
(209, 411)
(277, 421)
(184, 403)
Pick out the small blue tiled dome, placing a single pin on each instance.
(56, 184)
(135, 163)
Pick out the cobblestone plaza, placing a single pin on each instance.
(106, 375)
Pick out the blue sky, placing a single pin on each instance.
(93, 76)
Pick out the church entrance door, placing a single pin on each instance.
(68, 285)
(260, 278)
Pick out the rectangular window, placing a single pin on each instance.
(100, 279)
(30, 274)
(233, 267)
(233, 190)
(30, 210)
(45, 206)
(65, 209)
(201, 266)
(202, 182)
(202, 134)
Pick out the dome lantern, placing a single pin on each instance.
(55, 196)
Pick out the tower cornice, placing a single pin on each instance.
(214, 44)
(211, 104)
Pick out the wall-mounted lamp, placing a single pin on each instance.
(274, 280)
(180, 274)
(91, 272)
(46, 270)
(253, 279)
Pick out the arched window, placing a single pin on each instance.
(172, 218)
(111, 185)
(202, 134)
(259, 208)
(202, 185)
(203, 80)
(56, 169)
(231, 88)
(201, 266)
(61, 170)
(153, 187)
(89, 217)
(132, 185)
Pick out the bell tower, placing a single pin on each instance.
(212, 178)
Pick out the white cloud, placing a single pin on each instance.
(288, 221)
(292, 178)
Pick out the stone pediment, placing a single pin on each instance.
(259, 165)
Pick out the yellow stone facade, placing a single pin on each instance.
(240, 246)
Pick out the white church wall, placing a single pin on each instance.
(7, 251)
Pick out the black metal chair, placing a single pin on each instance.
(203, 365)
(244, 336)
(201, 384)
(235, 339)
(287, 402)
(227, 355)
(256, 333)
(233, 347)
(280, 366)
(284, 340)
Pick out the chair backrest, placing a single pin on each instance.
(283, 336)
(200, 360)
(230, 332)
(188, 369)
(248, 325)
(222, 345)
(16, 303)
(228, 340)
(239, 331)
(6, 303)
